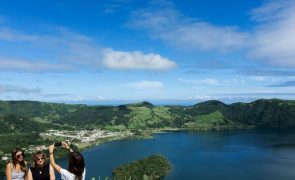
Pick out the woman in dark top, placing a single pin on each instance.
(40, 170)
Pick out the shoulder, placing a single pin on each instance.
(9, 165)
(65, 174)
(64, 171)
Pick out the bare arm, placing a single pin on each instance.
(26, 176)
(29, 175)
(8, 171)
(51, 172)
(52, 161)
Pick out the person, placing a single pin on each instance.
(40, 169)
(17, 168)
(76, 166)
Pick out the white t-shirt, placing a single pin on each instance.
(66, 175)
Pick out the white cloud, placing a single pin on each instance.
(8, 64)
(202, 97)
(87, 98)
(273, 40)
(135, 60)
(18, 89)
(145, 85)
(271, 10)
(186, 33)
(73, 52)
(209, 81)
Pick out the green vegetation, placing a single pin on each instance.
(22, 124)
(34, 109)
(213, 121)
(25, 120)
(28, 116)
(152, 167)
(272, 113)
(207, 121)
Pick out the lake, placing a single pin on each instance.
(251, 154)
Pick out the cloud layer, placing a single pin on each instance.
(67, 51)
(18, 89)
(172, 27)
(271, 40)
(284, 84)
(274, 38)
(21, 65)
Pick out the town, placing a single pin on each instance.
(80, 138)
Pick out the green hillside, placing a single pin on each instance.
(133, 116)
(18, 116)
(21, 124)
(34, 109)
(272, 113)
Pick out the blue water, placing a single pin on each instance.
(214, 155)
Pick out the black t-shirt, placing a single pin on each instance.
(40, 173)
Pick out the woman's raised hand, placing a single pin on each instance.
(51, 148)
(65, 145)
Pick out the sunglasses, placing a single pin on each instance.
(38, 159)
(19, 155)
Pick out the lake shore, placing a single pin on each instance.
(137, 134)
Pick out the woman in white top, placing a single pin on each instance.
(76, 168)
(17, 168)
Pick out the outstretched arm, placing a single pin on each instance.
(51, 173)
(52, 161)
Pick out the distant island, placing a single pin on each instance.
(34, 125)
(152, 167)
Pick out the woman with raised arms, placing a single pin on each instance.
(76, 166)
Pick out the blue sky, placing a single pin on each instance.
(103, 51)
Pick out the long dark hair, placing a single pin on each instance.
(23, 166)
(76, 164)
